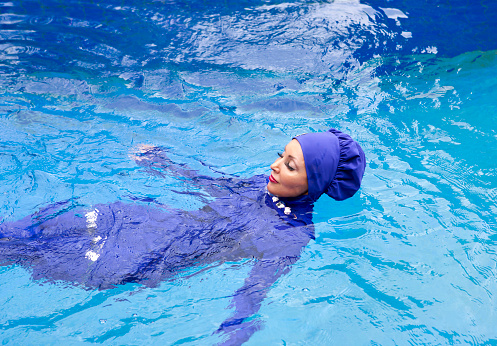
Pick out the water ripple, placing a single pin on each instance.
(410, 259)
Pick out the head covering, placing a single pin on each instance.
(334, 163)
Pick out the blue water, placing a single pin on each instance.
(410, 259)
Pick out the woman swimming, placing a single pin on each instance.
(265, 219)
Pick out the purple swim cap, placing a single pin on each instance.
(334, 163)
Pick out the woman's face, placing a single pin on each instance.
(289, 177)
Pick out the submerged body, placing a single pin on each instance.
(108, 245)
(112, 244)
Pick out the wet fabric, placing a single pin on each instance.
(108, 245)
(334, 163)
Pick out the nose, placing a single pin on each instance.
(275, 166)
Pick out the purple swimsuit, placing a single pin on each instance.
(109, 245)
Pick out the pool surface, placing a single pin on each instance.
(410, 259)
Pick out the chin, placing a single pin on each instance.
(269, 189)
(273, 191)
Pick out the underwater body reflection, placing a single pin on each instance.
(118, 243)
(122, 243)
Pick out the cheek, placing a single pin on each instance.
(299, 183)
(303, 188)
(302, 184)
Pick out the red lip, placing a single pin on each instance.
(271, 179)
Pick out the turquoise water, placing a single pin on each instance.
(409, 260)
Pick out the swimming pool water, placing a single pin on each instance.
(409, 260)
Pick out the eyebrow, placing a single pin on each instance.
(291, 156)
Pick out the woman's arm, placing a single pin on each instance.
(280, 249)
(247, 299)
(156, 161)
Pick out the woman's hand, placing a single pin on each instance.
(139, 153)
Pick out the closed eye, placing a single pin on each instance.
(286, 163)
